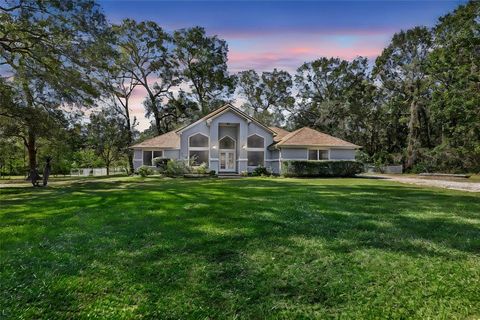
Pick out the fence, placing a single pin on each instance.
(86, 172)
(384, 169)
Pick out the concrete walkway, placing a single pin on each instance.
(446, 184)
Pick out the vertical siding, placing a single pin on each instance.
(294, 154)
(342, 154)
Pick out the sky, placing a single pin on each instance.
(263, 35)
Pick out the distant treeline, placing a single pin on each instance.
(61, 61)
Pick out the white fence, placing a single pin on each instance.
(97, 172)
(384, 169)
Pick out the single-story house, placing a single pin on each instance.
(231, 141)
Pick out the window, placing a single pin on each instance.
(255, 158)
(147, 158)
(198, 141)
(227, 143)
(149, 155)
(197, 157)
(317, 154)
(198, 149)
(255, 141)
(312, 154)
(255, 151)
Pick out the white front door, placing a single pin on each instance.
(227, 161)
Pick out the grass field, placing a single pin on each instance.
(251, 248)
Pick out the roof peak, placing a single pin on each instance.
(219, 111)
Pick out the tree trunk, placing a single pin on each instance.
(46, 171)
(32, 150)
(130, 162)
(158, 122)
(413, 135)
(30, 143)
(130, 141)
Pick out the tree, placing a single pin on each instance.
(122, 88)
(147, 59)
(337, 97)
(203, 62)
(454, 67)
(50, 52)
(401, 70)
(107, 135)
(267, 97)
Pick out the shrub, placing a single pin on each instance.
(260, 171)
(144, 171)
(201, 169)
(160, 163)
(176, 168)
(307, 168)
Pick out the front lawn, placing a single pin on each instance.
(251, 248)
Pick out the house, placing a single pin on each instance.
(231, 141)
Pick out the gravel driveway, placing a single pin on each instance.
(455, 185)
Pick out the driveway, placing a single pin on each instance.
(447, 184)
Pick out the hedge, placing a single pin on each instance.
(308, 168)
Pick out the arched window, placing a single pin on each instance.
(198, 149)
(255, 141)
(227, 143)
(198, 141)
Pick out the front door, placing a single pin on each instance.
(227, 161)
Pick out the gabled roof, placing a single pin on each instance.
(169, 140)
(222, 110)
(279, 133)
(312, 138)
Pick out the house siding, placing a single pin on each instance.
(171, 154)
(294, 153)
(342, 154)
(138, 155)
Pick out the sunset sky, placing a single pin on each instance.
(263, 35)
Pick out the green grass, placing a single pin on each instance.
(126, 248)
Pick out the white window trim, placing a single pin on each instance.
(207, 148)
(318, 154)
(256, 149)
(143, 163)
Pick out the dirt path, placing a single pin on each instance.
(455, 185)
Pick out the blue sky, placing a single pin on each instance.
(263, 35)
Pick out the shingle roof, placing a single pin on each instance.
(280, 133)
(309, 137)
(169, 140)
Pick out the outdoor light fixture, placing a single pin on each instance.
(244, 147)
(214, 147)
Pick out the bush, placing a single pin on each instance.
(160, 163)
(201, 169)
(176, 168)
(307, 168)
(145, 171)
(260, 171)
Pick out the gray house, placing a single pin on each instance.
(230, 141)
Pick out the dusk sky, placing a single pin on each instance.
(263, 35)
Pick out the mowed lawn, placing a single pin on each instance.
(253, 248)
